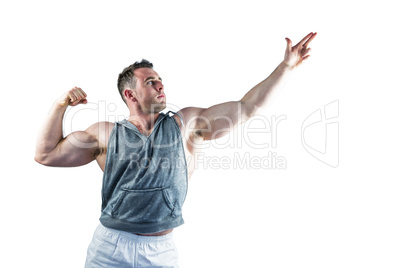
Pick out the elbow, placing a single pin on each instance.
(248, 110)
(41, 159)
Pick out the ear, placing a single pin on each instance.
(129, 94)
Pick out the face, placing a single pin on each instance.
(149, 91)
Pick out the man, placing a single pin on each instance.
(148, 158)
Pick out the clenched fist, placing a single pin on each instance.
(73, 97)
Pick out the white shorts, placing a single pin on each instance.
(113, 248)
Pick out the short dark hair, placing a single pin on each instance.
(126, 77)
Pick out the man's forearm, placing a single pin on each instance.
(260, 95)
(52, 131)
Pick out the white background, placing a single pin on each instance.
(307, 215)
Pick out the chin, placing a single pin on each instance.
(158, 107)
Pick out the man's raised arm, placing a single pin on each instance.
(54, 150)
(218, 120)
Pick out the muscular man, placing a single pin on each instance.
(148, 158)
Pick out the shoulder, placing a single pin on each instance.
(189, 115)
(99, 129)
(192, 116)
(100, 132)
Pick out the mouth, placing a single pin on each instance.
(161, 96)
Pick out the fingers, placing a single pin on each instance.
(289, 44)
(76, 96)
(306, 51)
(306, 39)
(310, 39)
(304, 42)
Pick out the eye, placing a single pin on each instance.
(150, 82)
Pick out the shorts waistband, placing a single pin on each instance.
(134, 237)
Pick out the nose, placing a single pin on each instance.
(159, 86)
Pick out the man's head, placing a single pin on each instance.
(126, 77)
(139, 84)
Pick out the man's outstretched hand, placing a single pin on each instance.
(300, 52)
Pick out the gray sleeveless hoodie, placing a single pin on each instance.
(145, 178)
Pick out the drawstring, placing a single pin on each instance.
(181, 119)
(116, 136)
(116, 139)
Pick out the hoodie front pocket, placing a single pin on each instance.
(144, 205)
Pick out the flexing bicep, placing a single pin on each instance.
(216, 121)
(76, 149)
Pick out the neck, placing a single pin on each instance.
(142, 121)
